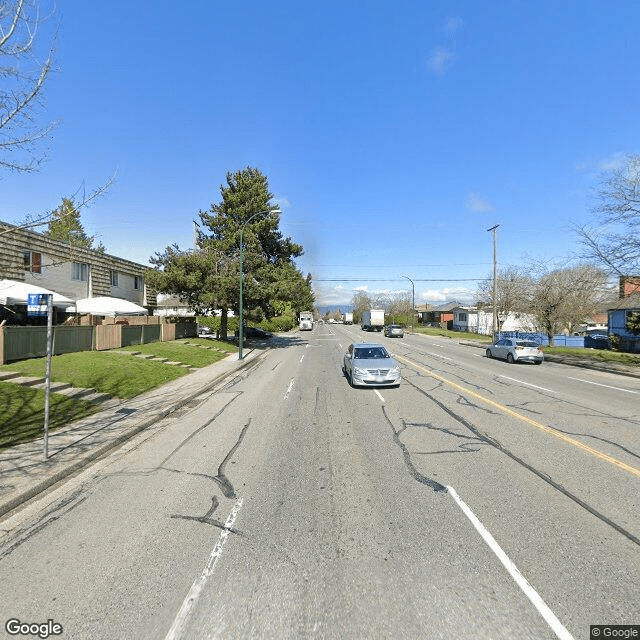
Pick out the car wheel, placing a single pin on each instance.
(538, 361)
(489, 355)
(510, 359)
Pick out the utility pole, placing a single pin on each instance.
(495, 282)
(413, 300)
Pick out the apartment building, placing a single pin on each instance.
(74, 272)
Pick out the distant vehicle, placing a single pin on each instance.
(516, 350)
(370, 364)
(373, 320)
(348, 318)
(394, 331)
(255, 332)
(332, 321)
(306, 321)
(204, 331)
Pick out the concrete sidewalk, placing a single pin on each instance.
(24, 473)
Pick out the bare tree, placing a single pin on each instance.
(361, 302)
(23, 74)
(563, 298)
(399, 307)
(513, 288)
(613, 238)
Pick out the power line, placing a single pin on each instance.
(367, 279)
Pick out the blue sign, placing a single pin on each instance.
(37, 304)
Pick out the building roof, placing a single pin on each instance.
(448, 306)
(629, 302)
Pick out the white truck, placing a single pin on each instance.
(348, 318)
(373, 320)
(306, 321)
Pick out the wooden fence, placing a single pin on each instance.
(20, 343)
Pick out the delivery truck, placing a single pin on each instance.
(306, 321)
(373, 320)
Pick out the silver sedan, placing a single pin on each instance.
(370, 364)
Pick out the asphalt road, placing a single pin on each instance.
(477, 500)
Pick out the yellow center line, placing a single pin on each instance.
(550, 430)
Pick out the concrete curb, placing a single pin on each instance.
(77, 465)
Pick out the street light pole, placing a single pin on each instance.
(245, 223)
(413, 300)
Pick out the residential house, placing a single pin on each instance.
(74, 272)
(421, 310)
(619, 313)
(474, 320)
(442, 315)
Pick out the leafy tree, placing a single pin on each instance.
(23, 76)
(613, 238)
(209, 277)
(65, 226)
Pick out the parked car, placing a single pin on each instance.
(255, 332)
(370, 364)
(394, 331)
(516, 350)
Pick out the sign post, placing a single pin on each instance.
(37, 305)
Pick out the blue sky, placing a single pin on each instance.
(393, 134)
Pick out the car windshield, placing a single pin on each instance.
(370, 353)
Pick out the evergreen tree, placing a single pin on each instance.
(209, 278)
(65, 226)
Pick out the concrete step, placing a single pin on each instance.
(26, 381)
(55, 387)
(8, 375)
(91, 395)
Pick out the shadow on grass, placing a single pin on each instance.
(22, 413)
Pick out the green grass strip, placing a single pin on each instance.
(182, 352)
(22, 413)
(116, 374)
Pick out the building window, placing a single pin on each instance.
(33, 262)
(463, 317)
(114, 278)
(137, 282)
(80, 271)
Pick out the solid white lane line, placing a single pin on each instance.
(556, 626)
(535, 386)
(302, 358)
(179, 624)
(602, 385)
(288, 391)
(379, 395)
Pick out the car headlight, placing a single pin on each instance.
(394, 371)
(359, 372)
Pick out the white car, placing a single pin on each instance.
(516, 350)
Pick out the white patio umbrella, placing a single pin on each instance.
(107, 306)
(13, 292)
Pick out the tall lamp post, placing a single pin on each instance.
(246, 222)
(413, 299)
